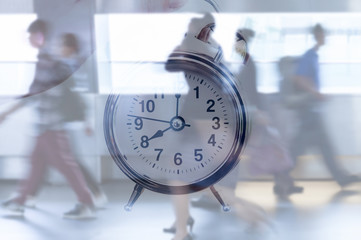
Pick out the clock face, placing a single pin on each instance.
(177, 142)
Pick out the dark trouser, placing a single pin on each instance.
(88, 176)
(52, 148)
(312, 133)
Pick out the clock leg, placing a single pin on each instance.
(225, 206)
(138, 190)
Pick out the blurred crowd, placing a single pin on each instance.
(56, 101)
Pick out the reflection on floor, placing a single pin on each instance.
(323, 212)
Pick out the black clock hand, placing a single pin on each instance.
(147, 118)
(158, 134)
(177, 96)
(154, 119)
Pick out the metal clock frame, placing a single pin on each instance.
(213, 70)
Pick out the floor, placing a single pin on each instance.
(322, 212)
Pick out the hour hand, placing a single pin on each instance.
(158, 134)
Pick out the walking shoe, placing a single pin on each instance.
(29, 203)
(80, 211)
(14, 209)
(172, 229)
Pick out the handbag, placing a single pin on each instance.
(267, 153)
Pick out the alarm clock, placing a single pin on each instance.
(185, 140)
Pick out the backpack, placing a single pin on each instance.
(73, 107)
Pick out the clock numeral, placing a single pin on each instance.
(144, 142)
(139, 123)
(177, 159)
(198, 155)
(197, 91)
(216, 122)
(211, 103)
(212, 140)
(149, 105)
(159, 150)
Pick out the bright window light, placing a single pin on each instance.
(17, 58)
(132, 38)
(14, 44)
(145, 37)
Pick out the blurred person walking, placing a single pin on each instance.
(52, 144)
(306, 101)
(266, 151)
(253, 214)
(75, 108)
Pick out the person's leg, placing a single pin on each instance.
(324, 144)
(99, 197)
(15, 206)
(181, 209)
(63, 160)
(89, 178)
(300, 141)
(35, 192)
(31, 197)
(37, 170)
(284, 183)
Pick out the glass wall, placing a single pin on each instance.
(151, 37)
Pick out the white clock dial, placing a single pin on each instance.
(176, 139)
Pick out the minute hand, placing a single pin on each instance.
(177, 104)
(151, 119)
